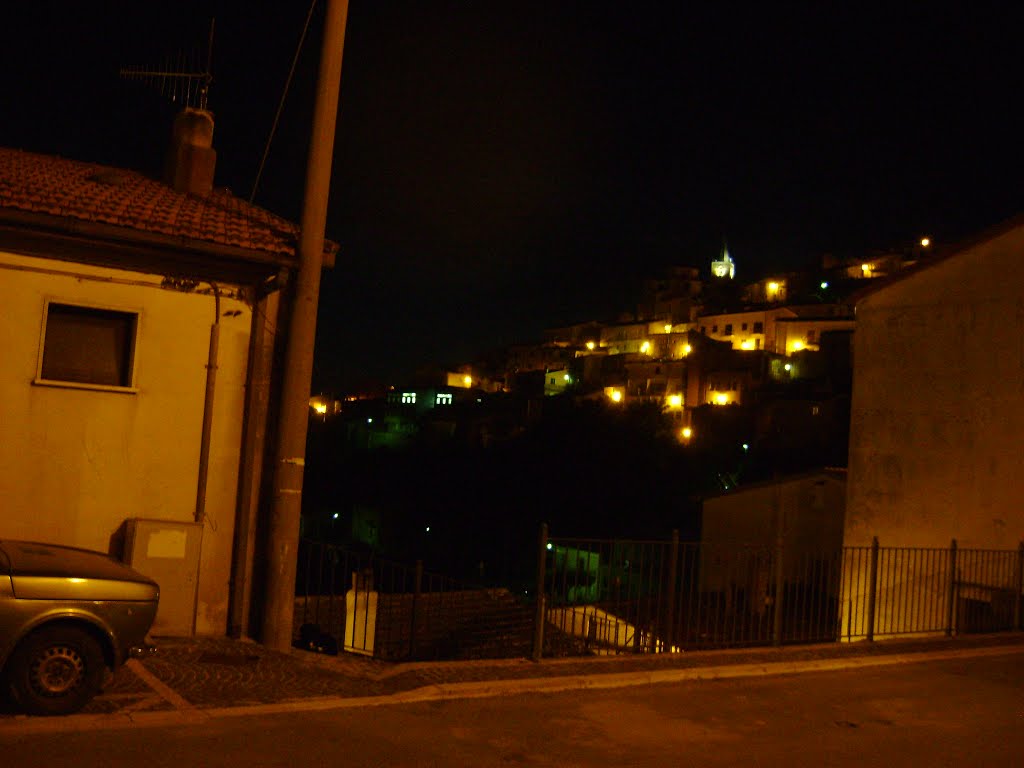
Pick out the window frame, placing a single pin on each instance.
(133, 356)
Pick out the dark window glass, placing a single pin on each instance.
(728, 329)
(758, 327)
(88, 346)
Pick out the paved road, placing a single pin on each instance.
(966, 712)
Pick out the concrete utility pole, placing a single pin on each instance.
(291, 444)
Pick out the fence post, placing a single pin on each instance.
(673, 565)
(417, 587)
(780, 589)
(951, 608)
(539, 616)
(872, 588)
(1018, 588)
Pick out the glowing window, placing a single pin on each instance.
(408, 397)
(443, 399)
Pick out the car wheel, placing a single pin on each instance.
(56, 670)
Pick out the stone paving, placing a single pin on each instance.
(220, 672)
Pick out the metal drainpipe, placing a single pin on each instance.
(204, 442)
(211, 386)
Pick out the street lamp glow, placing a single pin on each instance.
(616, 395)
(675, 401)
(668, 327)
(467, 380)
(925, 242)
(687, 433)
(590, 345)
(645, 347)
(687, 349)
(824, 284)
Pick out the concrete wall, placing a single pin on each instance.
(938, 404)
(809, 509)
(76, 463)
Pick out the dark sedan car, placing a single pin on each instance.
(66, 616)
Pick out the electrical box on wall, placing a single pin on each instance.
(168, 552)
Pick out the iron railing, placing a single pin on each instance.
(628, 596)
(663, 596)
(369, 605)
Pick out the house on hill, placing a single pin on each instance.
(138, 327)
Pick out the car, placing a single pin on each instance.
(67, 615)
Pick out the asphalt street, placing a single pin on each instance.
(960, 712)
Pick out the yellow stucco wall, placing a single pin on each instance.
(76, 463)
(938, 404)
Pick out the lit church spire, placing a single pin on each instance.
(724, 267)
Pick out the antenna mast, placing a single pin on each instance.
(183, 78)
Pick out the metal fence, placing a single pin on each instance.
(602, 596)
(665, 596)
(354, 601)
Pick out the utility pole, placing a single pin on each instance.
(290, 456)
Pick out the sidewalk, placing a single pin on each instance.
(193, 675)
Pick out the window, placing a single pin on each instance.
(714, 329)
(758, 327)
(743, 327)
(409, 397)
(728, 329)
(443, 399)
(88, 346)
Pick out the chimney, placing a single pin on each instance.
(192, 158)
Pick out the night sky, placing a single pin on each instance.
(505, 167)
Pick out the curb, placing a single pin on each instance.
(187, 714)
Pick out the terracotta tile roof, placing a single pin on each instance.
(45, 184)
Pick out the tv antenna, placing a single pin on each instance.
(184, 79)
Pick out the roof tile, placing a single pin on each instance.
(89, 192)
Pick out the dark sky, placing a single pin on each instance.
(503, 167)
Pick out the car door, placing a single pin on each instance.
(7, 613)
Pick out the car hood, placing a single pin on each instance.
(52, 572)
